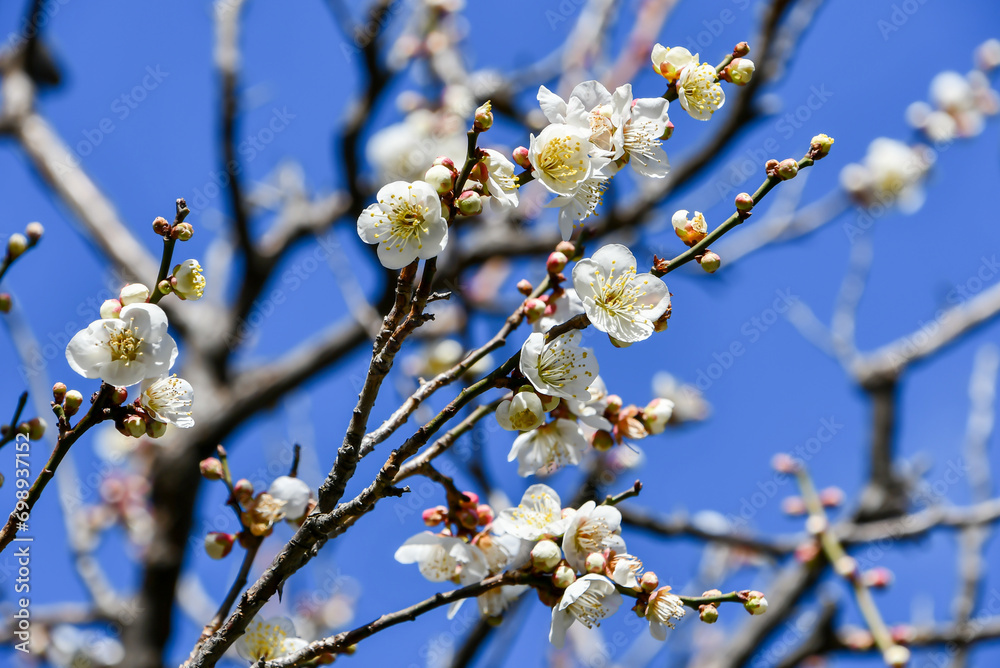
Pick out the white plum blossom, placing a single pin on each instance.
(625, 570)
(561, 158)
(661, 611)
(564, 307)
(591, 412)
(657, 414)
(577, 207)
(294, 492)
(689, 230)
(668, 62)
(403, 150)
(522, 412)
(589, 600)
(619, 302)
(538, 515)
(641, 128)
(591, 529)
(501, 184)
(441, 558)
(891, 172)
(168, 400)
(560, 367)
(188, 283)
(406, 223)
(499, 552)
(125, 350)
(548, 448)
(699, 92)
(269, 639)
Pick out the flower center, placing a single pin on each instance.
(537, 511)
(591, 534)
(558, 363)
(266, 641)
(639, 139)
(560, 160)
(701, 91)
(588, 609)
(168, 395)
(619, 297)
(124, 344)
(601, 129)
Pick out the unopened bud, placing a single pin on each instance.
(133, 293)
(520, 156)
(741, 50)
(756, 604)
(816, 525)
(165, 287)
(485, 513)
(156, 429)
(832, 497)
(556, 262)
(744, 202)
(135, 426)
(788, 168)
(111, 309)
(34, 232)
(445, 161)
(470, 203)
(896, 656)
(740, 71)
(602, 440)
(211, 468)
(710, 261)
(846, 567)
(469, 500)
(73, 402)
(708, 614)
(595, 563)
(16, 244)
(468, 518)
(218, 544)
(878, 577)
(59, 392)
(771, 167)
(533, 309)
(435, 516)
(484, 117)
(649, 581)
(243, 490)
(793, 505)
(820, 146)
(36, 428)
(807, 552)
(567, 248)
(783, 463)
(161, 226)
(119, 395)
(182, 232)
(440, 178)
(545, 556)
(525, 287)
(563, 576)
(5, 302)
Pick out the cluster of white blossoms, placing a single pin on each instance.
(697, 84)
(891, 173)
(130, 345)
(267, 639)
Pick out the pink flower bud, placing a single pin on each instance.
(744, 202)
(556, 262)
(595, 563)
(36, 428)
(485, 513)
(832, 497)
(534, 309)
(72, 403)
(520, 156)
(649, 581)
(435, 516)
(59, 392)
(219, 545)
(243, 490)
(470, 203)
(710, 261)
(161, 226)
(111, 309)
(446, 161)
(468, 518)
(783, 463)
(787, 169)
(878, 577)
(668, 131)
(566, 248)
(793, 505)
(471, 500)
(806, 552)
(211, 468)
(440, 178)
(741, 50)
(119, 396)
(525, 287)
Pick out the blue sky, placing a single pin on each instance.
(138, 105)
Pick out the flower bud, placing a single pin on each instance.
(744, 202)
(566, 248)
(156, 429)
(602, 440)
(690, 231)
(740, 71)
(816, 525)
(614, 403)
(182, 232)
(133, 293)
(649, 582)
(771, 166)
(468, 518)
(36, 428)
(820, 146)
(446, 162)
(545, 556)
(16, 244)
(534, 309)
(708, 614)
(788, 168)
(520, 156)
(563, 576)
(656, 414)
(484, 117)
(5, 302)
(755, 604)
(783, 463)
(846, 567)
(595, 563)
(668, 131)
(485, 513)
(741, 50)
(59, 392)
(710, 261)
(435, 516)
(525, 287)
(896, 656)
(832, 497)
(218, 545)
(469, 500)
(72, 403)
(34, 232)
(161, 226)
(440, 178)
(878, 577)
(135, 426)
(556, 262)
(470, 203)
(111, 309)
(807, 552)
(211, 468)
(188, 281)
(243, 490)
